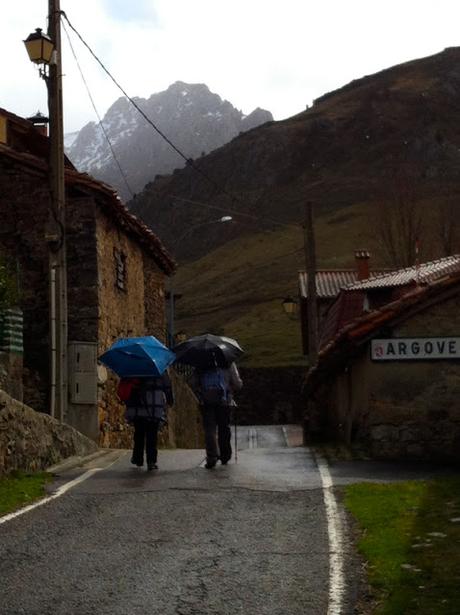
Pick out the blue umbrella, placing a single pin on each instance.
(137, 356)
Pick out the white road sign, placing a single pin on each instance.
(410, 348)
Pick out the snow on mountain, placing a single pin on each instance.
(193, 118)
(69, 139)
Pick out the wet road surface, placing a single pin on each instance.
(248, 538)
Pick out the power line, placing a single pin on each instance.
(236, 213)
(187, 159)
(125, 179)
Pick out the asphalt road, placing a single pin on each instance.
(250, 537)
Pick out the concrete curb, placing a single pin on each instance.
(77, 461)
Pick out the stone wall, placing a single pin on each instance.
(399, 410)
(98, 311)
(154, 299)
(138, 310)
(82, 269)
(24, 206)
(121, 314)
(33, 441)
(271, 395)
(11, 374)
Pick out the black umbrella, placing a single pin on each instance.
(205, 351)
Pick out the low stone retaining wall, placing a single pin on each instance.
(271, 395)
(32, 441)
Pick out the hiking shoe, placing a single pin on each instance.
(152, 466)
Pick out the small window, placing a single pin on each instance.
(120, 269)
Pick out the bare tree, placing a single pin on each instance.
(447, 219)
(400, 218)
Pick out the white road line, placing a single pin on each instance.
(63, 489)
(335, 532)
(285, 435)
(252, 438)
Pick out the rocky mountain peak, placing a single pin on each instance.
(195, 119)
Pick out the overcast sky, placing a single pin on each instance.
(274, 54)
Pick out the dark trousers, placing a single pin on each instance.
(145, 434)
(217, 434)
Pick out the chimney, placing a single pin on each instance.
(40, 122)
(362, 258)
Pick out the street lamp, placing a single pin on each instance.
(172, 295)
(45, 50)
(39, 47)
(290, 306)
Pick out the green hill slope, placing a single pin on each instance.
(238, 288)
(366, 155)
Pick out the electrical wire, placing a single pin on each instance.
(189, 161)
(123, 175)
(236, 213)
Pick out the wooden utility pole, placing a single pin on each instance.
(56, 232)
(310, 265)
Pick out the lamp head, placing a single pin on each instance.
(290, 306)
(39, 47)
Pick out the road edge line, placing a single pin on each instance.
(62, 489)
(286, 439)
(336, 542)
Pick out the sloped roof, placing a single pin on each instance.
(329, 282)
(402, 277)
(366, 295)
(346, 307)
(361, 329)
(106, 196)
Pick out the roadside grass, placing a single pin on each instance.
(21, 488)
(411, 541)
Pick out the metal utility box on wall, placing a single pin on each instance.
(83, 372)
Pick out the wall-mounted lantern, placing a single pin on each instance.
(290, 306)
(39, 47)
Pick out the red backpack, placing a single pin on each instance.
(125, 387)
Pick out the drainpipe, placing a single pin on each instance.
(53, 326)
(171, 311)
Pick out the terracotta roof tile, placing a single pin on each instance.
(329, 282)
(422, 274)
(361, 328)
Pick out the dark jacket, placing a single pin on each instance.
(232, 383)
(149, 398)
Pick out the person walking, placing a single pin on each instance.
(215, 388)
(146, 400)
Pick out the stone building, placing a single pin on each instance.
(387, 381)
(116, 270)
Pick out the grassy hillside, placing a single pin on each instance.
(380, 146)
(238, 289)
